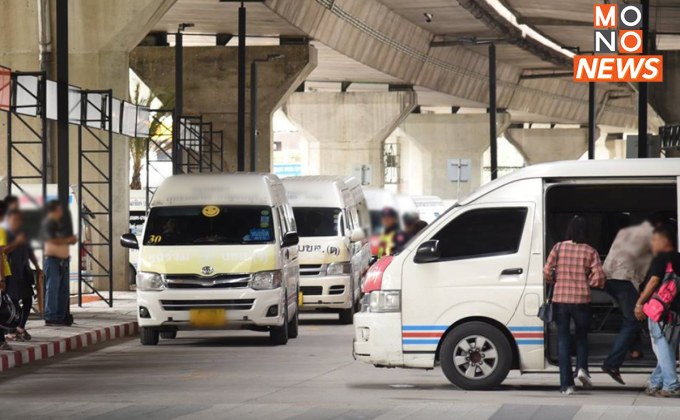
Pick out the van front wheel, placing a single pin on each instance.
(279, 335)
(148, 336)
(293, 324)
(476, 356)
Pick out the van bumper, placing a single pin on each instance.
(326, 299)
(170, 308)
(377, 339)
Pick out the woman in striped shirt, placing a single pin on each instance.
(575, 267)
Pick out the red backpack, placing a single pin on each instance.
(659, 306)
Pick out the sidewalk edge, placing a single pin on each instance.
(48, 349)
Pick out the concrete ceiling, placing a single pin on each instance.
(443, 76)
(451, 20)
(213, 16)
(570, 23)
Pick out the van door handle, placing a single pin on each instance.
(512, 272)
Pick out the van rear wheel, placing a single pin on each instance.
(476, 356)
(148, 336)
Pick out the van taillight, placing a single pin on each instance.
(375, 274)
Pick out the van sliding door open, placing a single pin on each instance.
(608, 206)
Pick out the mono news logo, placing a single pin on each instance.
(618, 45)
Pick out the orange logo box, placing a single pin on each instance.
(618, 68)
(605, 16)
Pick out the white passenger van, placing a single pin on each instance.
(333, 250)
(218, 252)
(465, 293)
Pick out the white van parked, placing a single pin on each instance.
(218, 252)
(333, 250)
(465, 293)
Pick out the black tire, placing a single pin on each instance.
(279, 335)
(487, 372)
(293, 329)
(347, 316)
(168, 335)
(148, 336)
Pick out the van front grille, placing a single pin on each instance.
(336, 290)
(310, 269)
(219, 281)
(185, 305)
(311, 290)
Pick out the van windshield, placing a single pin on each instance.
(209, 225)
(317, 221)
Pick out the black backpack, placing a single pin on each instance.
(9, 316)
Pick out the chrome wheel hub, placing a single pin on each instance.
(475, 357)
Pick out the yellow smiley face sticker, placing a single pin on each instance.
(210, 211)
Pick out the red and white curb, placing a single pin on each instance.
(45, 350)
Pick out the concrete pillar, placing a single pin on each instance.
(211, 82)
(430, 140)
(101, 35)
(345, 129)
(539, 145)
(664, 96)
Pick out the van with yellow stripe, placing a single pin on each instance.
(332, 220)
(218, 252)
(465, 293)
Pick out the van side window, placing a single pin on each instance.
(482, 232)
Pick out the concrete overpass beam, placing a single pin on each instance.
(430, 140)
(664, 96)
(348, 128)
(211, 82)
(539, 145)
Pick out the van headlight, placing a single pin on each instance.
(384, 301)
(337, 269)
(150, 282)
(265, 280)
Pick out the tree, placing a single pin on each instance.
(138, 145)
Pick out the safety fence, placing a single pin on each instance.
(28, 102)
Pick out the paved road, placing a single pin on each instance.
(238, 375)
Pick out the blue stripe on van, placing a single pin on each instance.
(527, 342)
(433, 342)
(424, 328)
(536, 329)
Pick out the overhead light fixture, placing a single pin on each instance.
(428, 17)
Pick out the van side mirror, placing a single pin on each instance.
(357, 235)
(129, 240)
(290, 239)
(427, 252)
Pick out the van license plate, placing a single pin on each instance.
(208, 317)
